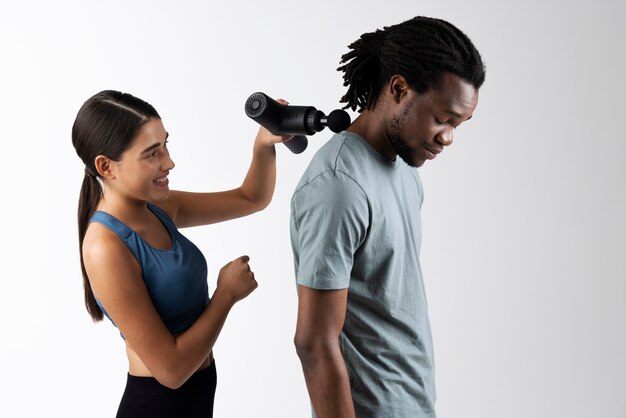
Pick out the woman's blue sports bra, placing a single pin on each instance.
(176, 279)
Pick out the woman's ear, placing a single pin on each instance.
(104, 165)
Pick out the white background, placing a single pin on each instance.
(524, 226)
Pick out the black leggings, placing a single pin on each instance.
(146, 398)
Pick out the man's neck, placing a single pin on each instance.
(370, 126)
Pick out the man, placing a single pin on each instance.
(363, 334)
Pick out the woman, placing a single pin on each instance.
(139, 271)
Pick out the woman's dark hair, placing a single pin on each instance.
(421, 50)
(106, 125)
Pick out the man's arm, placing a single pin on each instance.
(321, 314)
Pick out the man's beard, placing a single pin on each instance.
(402, 149)
(399, 146)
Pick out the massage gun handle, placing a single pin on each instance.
(297, 144)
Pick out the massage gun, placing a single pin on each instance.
(293, 120)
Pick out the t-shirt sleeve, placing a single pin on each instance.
(329, 221)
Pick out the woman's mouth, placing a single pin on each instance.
(161, 181)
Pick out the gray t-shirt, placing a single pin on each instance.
(355, 223)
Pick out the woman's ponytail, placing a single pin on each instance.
(90, 195)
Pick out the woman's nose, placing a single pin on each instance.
(168, 164)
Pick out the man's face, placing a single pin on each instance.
(422, 125)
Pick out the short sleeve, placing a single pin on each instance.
(329, 221)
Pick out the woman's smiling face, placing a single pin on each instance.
(142, 171)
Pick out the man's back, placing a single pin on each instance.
(356, 224)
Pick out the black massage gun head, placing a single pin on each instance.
(338, 120)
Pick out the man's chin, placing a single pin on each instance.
(413, 161)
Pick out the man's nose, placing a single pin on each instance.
(446, 137)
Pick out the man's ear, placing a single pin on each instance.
(104, 165)
(398, 88)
